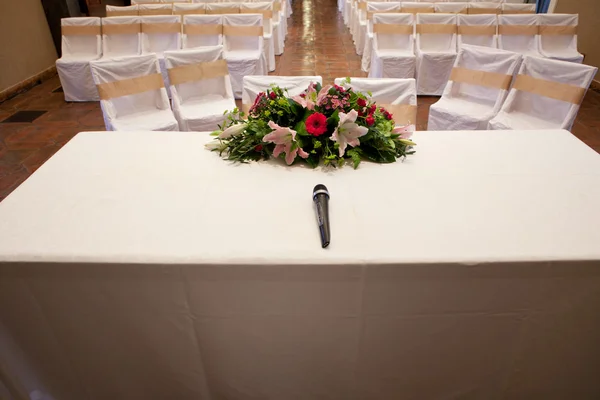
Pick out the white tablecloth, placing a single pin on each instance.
(141, 266)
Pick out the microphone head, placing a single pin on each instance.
(320, 189)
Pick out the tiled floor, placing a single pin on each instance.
(318, 43)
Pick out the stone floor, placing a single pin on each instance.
(318, 43)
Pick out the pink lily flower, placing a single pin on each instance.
(348, 132)
(284, 140)
(403, 131)
(323, 93)
(307, 101)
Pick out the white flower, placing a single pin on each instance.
(215, 145)
(348, 132)
(233, 130)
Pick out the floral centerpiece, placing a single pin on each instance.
(329, 124)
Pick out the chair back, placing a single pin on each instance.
(558, 32)
(485, 8)
(511, 8)
(265, 8)
(81, 37)
(121, 36)
(222, 8)
(243, 32)
(452, 8)
(118, 11)
(161, 33)
(393, 31)
(417, 8)
(254, 84)
(155, 9)
(436, 32)
(382, 7)
(518, 33)
(202, 30)
(478, 30)
(189, 9)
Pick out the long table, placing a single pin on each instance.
(138, 265)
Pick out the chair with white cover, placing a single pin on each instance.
(222, 8)
(132, 94)
(279, 24)
(393, 54)
(398, 96)
(253, 85)
(478, 30)
(359, 28)
(488, 1)
(81, 43)
(485, 8)
(515, 8)
(117, 11)
(189, 9)
(265, 8)
(478, 86)
(202, 30)
(451, 8)
(146, 1)
(546, 94)
(417, 8)
(435, 50)
(243, 45)
(519, 33)
(155, 9)
(375, 7)
(200, 87)
(121, 36)
(515, 1)
(558, 37)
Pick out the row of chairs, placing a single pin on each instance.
(425, 47)
(88, 39)
(286, 4)
(485, 91)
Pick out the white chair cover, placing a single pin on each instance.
(558, 37)
(488, 1)
(549, 96)
(473, 97)
(189, 9)
(515, 1)
(478, 30)
(436, 52)
(199, 100)
(451, 8)
(139, 101)
(485, 8)
(295, 85)
(510, 8)
(266, 9)
(418, 8)
(145, 1)
(373, 8)
(203, 1)
(243, 51)
(389, 91)
(155, 9)
(519, 33)
(202, 30)
(279, 26)
(117, 11)
(81, 43)
(222, 8)
(121, 36)
(393, 53)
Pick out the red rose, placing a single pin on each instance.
(273, 95)
(361, 102)
(361, 113)
(373, 108)
(387, 115)
(370, 120)
(316, 124)
(258, 147)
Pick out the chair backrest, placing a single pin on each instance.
(117, 11)
(417, 8)
(155, 9)
(512, 8)
(393, 31)
(198, 73)
(202, 30)
(222, 8)
(518, 33)
(488, 1)
(482, 75)
(242, 32)
(558, 31)
(452, 8)
(188, 9)
(278, 13)
(203, 1)
(263, 7)
(161, 33)
(550, 90)
(478, 30)
(254, 84)
(382, 7)
(436, 32)
(146, 1)
(398, 96)
(121, 36)
(514, 1)
(81, 36)
(129, 85)
(485, 8)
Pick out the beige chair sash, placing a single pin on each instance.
(362, 6)
(228, 10)
(476, 30)
(509, 12)
(265, 13)
(518, 30)
(128, 87)
(371, 13)
(441, 29)
(88, 30)
(198, 72)
(121, 13)
(204, 29)
(392, 29)
(417, 10)
(158, 11)
(195, 11)
(558, 30)
(554, 90)
(492, 80)
(484, 11)
(161, 28)
(121, 29)
(276, 6)
(229, 30)
(403, 114)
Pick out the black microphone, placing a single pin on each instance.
(321, 199)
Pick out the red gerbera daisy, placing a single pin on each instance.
(316, 124)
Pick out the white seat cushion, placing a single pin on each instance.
(154, 120)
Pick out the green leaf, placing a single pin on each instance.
(355, 156)
(300, 129)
